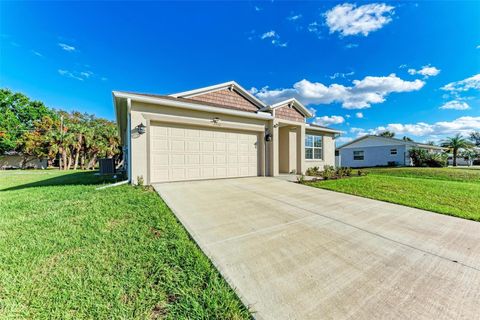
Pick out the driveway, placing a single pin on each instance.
(297, 252)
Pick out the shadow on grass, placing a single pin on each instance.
(76, 178)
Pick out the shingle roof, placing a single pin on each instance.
(203, 103)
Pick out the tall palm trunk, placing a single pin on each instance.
(455, 151)
(64, 158)
(91, 163)
(77, 152)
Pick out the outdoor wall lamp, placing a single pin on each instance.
(216, 120)
(268, 137)
(141, 128)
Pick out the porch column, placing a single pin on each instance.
(301, 149)
(275, 150)
(262, 150)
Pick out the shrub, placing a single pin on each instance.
(421, 158)
(314, 171)
(301, 179)
(418, 156)
(361, 173)
(436, 160)
(344, 172)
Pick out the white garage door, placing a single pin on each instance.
(188, 153)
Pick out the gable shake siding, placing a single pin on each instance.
(228, 98)
(287, 113)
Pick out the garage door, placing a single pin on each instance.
(189, 153)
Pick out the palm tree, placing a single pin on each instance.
(455, 143)
(387, 134)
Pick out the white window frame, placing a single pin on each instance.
(313, 147)
(395, 150)
(363, 155)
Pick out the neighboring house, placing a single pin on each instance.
(371, 151)
(14, 160)
(461, 161)
(217, 132)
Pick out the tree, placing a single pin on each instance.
(469, 155)
(387, 134)
(34, 130)
(475, 137)
(454, 144)
(19, 115)
(430, 143)
(405, 138)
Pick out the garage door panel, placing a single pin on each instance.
(188, 153)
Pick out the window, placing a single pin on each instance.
(358, 155)
(393, 152)
(313, 147)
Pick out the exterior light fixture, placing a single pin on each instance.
(268, 137)
(141, 128)
(216, 120)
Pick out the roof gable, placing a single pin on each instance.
(207, 94)
(227, 98)
(294, 103)
(375, 141)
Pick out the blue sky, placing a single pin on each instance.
(411, 67)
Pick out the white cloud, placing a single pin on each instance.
(279, 44)
(402, 66)
(69, 74)
(359, 115)
(66, 47)
(314, 28)
(349, 20)
(343, 139)
(478, 47)
(313, 111)
(275, 38)
(351, 45)
(269, 34)
(360, 95)
(426, 71)
(462, 125)
(326, 120)
(455, 105)
(347, 116)
(257, 8)
(464, 85)
(38, 54)
(341, 75)
(294, 17)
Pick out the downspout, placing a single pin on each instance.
(129, 141)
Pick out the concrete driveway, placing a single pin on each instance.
(297, 252)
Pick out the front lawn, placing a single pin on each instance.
(449, 191)
(68, 251)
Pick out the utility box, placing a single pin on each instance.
(107, 166)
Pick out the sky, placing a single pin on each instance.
(361, 67)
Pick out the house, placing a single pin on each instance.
(462, 161)
(371, 151)
(214, 132)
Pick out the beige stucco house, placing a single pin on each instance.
(220, 131)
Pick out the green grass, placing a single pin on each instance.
(68, 251)
(448, 191)
(450, 174)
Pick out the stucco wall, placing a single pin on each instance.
(145, 113)
(328, 151)
(373, 156)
